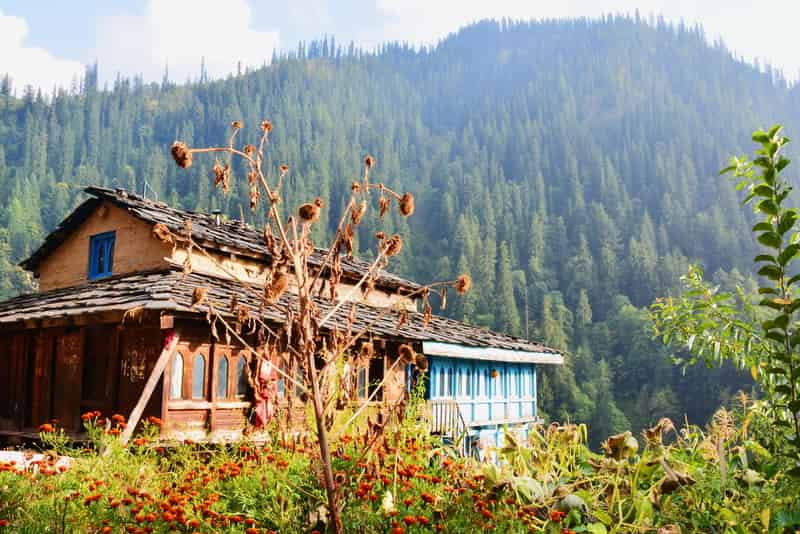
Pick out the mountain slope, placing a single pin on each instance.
(570, 167)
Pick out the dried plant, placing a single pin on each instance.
(307, 335)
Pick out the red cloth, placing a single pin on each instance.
(266, 392)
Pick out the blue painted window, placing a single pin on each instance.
(101, 255)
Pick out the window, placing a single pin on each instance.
(176, 377)
(101, 255)
(222, 378)
(361, 383)
(241, 376)
(198, 376)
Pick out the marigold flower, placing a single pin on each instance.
(46, 427)
(153, 420)
(428, 498)
(556, 516)
(410, 520)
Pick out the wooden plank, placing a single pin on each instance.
(67, 378)
(42, 378)
(170, 343)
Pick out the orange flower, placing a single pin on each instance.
(47, 427)
(422, 520)
(398, 530)
(251, 530)
(410, 520)
(567, 531)
(155, 421)
(556, 516)
(428, 498)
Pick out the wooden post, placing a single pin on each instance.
(170, 343)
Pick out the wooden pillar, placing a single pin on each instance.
(170, 343)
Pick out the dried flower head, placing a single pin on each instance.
(266, 126)
(284, 169)
(308, 212)
(355, 187)
(274, 197)
(273, 292)
(255, 195)
(383, 205)
(162, 233)
(222, 175)
(393, 245)
(249, 149)
(421, 362)
(406, 354)
(407, 204)
(358, 212)
(181, 154)
(380, 236)
(237, 125)
(369, 162)
(198, 296)
(367, 349)
(463, 284)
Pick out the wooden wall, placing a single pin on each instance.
(135, 249)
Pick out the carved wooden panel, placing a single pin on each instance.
(139, 349)
(42, 377)
(67, 379)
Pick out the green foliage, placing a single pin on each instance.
(720, 478)
(717, 326)
(568, 150)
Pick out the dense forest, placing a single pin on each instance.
(569, 167)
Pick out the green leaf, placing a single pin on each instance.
(788, 253)
(781, 321)
(765, 257)
(762, 227)
(776, 370)
(763, 161)
(774, 130)
(767, 291)
(763, 190)
(782, 163)
(776, 335)
(726, 170)
(596, 528)
(783, 389)
(787, 222)
(793, 279)
(770, 239)
(760, 136)
(768, 206)
(794, 406)
(773, 272)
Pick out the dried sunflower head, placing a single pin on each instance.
(237, 125)
(181, 154)
(249, 149)
(393, 245)
(284, 169)
(222, 175)
(198, 296)
(407, 204)
(266, 126)
(358, 212)
(162, 233)
(308, 212)
(406, 353)
(369, 162)
(463, 284)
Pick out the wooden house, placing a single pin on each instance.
(113, 328)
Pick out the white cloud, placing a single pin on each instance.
(177, 34)
(30, 65)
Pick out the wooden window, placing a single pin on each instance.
(241, 376)
(199, 376)
(176, 377)
(361, 383)
(222, 378)
(101, 255)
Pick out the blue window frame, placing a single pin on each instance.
(101, 255)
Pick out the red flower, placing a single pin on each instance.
(47, 427)
(428, 498)
(410, 520)
(422, 520)
(155, 421)
(567, 531)
(398, 530)
(556, 516)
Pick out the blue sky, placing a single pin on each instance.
(47, 43)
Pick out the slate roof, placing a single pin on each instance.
(229, 234)
(171, 290)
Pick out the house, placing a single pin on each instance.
(114, 328)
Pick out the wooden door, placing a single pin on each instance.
(41, 386)
(67, 377)
(12, 381)
(139, 349)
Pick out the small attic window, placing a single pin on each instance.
(101, 255)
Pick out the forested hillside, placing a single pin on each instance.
(570, 167)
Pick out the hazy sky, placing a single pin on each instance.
(47, 43)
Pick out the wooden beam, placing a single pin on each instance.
(170, 343)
